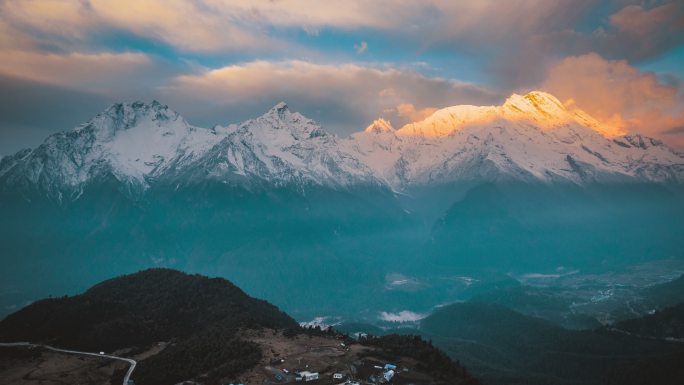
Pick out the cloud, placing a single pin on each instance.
(30, 111)
(187, 26)
(344, 97)
(402, 316)
(618, 94)
(635, 33)
(675, 130)
(361, 48)
(514, 42)
(74, 69)
(644, 33)
(409, 111)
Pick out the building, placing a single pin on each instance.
(389, 375)
(359, 335)
(309, 376)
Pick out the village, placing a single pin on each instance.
(359, 372)
(313, 360)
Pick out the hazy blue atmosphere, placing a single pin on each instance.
(403, 192)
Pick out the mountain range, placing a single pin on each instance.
(531, 138)
(293, 213)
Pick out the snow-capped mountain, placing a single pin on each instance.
(131, 142)
(530, 138)
(282, 148)
(140, 144)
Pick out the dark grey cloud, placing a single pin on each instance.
(675, 131)
(30, 111)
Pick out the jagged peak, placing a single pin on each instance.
(281, 110)
(543, 98)
(281, 106)
(281, 113)
(123, 115)
(380, 125)
(138, 106)
(535, 102)
(281, 118)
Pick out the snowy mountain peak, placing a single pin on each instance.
(446, 121)
(280, 110)
(535, 103)
(281, 106)
(380, 125)
(282, 119)
(122, 116)
(281, 148)
(529, 137)
(538, 108)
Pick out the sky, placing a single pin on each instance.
(341, 63)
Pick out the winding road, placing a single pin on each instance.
(126, 378)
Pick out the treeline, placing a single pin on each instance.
(216, 354)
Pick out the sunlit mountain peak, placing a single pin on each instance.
(539, 108)
(380, 125)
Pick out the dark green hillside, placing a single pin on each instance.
(490, 323)
(666, 323)
(430, 359)
(137, 309)
(665, 294)
(199, 315)
(501, 346)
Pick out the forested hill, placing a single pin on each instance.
(137, 309)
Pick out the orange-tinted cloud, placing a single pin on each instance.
(618, 94)
(412, 114)
(227, 25)
(186, 25)
(73, 70)
(354, 94)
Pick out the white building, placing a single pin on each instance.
(309, 376)
(389, 374)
